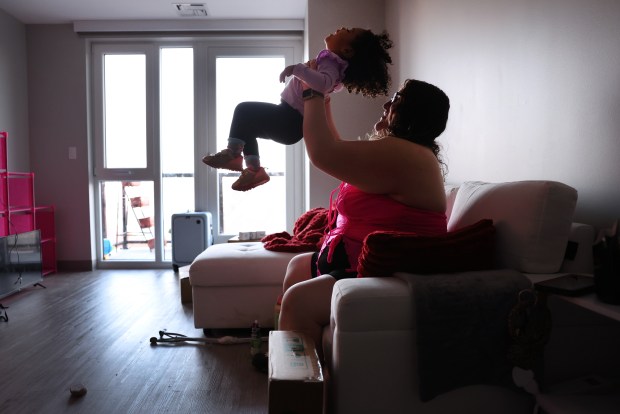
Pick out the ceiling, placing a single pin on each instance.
(68, 11)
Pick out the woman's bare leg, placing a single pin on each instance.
(298, 270)
(306, 308)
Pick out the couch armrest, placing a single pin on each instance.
(369, 345)
(371, 304)
(370, 352)
(578, 258)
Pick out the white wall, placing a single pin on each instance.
(534, 88)
(14, 91)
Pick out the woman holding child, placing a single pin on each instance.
(393, 181)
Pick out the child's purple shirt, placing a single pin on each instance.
(326, 78)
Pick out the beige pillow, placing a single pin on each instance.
(451, 191)
(532, 220)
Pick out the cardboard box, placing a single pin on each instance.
(295, 375)
(186, 288)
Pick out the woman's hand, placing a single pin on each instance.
(312, 64)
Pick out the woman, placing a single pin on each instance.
(394, 181)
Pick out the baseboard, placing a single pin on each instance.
(75, 265)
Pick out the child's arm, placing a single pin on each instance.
(288, 71)
(323, 79)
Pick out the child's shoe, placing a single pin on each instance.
(250, 179)
(224, 159)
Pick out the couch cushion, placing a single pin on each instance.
(239, 264)
(532, 220)
(466, 249)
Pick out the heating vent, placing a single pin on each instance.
(191, 9)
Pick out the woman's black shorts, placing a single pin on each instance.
(338, 266)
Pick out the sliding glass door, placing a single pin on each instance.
(250, 74)
(157, 108)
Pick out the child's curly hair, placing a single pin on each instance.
(368, 72)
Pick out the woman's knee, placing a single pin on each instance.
(296, 311)
(309, 300)
(298, 269)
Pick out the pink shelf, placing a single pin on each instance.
(44, 222)
(20, 222)
(17, 201)
(21, 190)
(3, 156)
(19, 213)
(4, 224)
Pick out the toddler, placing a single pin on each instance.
(355, 59)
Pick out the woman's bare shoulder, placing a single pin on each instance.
(421, 183)
(408, 151)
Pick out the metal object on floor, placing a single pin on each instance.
(171, 338)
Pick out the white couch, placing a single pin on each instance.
(369, 347)
(234, 284)
(369, 343)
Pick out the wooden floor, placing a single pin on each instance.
(94, 328)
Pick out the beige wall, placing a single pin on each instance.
(43, 108)
(58, 120)
(534, 88)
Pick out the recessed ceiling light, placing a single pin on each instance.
(191, 9)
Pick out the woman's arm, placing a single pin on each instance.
(392, 166)
(330, 119)
(372, 166)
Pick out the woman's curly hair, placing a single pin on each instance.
(368, 72)
(421, 115)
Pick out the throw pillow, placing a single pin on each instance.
(467, 249)
(532, 218)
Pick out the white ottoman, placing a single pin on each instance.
(235, 283)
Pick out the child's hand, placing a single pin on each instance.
(288, 71)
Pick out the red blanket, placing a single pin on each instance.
(307, 235)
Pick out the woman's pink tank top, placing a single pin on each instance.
(360, 213)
